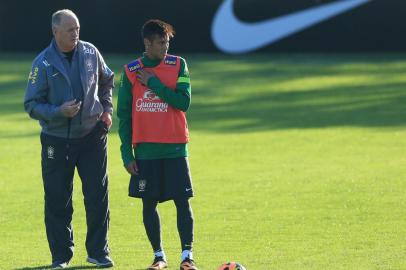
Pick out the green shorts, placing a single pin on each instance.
(162, 179)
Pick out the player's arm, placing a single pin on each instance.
(35, 100)
(124, 114)
(181, 97)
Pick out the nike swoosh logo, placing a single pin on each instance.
(234, 36)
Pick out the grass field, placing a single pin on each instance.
(298, 162)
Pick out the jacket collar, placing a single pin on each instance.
(53, 55)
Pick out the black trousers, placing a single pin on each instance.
(59, 158)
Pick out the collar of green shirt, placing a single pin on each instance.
(148, 62)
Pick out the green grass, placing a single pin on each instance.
(298, 162)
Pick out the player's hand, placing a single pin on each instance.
(106, 118)
(132, 168)
(143, 76)
(70, 108)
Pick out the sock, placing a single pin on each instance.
(187, 254)
(160, 253)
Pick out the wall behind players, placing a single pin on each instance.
(113, 26)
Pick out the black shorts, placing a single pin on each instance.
(162, 179)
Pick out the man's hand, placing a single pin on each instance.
(143, 76)
(70, 108)
(132, 168)
(106, 118)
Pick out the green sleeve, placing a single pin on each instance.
(180, 98)
(124, 114)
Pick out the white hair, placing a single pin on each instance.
(57, 16)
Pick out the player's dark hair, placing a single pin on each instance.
(157, 27)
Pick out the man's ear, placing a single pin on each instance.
(147, 43)
(54, 30)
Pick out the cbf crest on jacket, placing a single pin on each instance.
(153, 120)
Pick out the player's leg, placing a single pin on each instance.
(146, 185)
(185, 223)
(57, 173)
(178, 185)
(153, 229)
(92, 169)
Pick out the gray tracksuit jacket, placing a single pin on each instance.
(49, 86)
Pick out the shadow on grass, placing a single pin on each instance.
(49, 267)
(70, 267)
(373, 106)
(270, 92)
(254, 94)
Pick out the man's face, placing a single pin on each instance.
(157, 47)
(67, 33)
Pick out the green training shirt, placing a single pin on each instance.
(180, 99)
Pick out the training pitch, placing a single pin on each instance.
(298, 162)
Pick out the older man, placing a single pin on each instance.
(69, 91)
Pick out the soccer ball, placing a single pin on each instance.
(231, 266)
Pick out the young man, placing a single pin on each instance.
(69, 91)
(153, 97)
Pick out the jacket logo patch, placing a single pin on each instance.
(170, 60)
(33, 75)
(134, 66)
(89, 65)
(51, 152)
(88, 50)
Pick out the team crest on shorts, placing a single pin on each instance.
(142, 185)
(51, 152)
